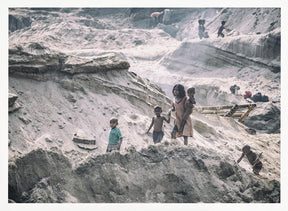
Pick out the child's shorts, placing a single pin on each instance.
(157, 136)
(257, 167)
(111, 148)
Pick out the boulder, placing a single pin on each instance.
(225, 170)
(81, 137)
(12, 99)
(13, 105)
(265, 118)
(84, 140)
(87, 147)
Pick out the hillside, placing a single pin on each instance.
(72, 69)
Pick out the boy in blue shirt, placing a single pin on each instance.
(115, 136)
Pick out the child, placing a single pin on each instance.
(157, 121)
(179, 107)
(252, 158)
(220, 31)
(201, 28)
(156, 17)
(115, 136)
(189, 105)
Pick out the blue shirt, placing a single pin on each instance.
(115, 136)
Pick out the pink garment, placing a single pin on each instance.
(155, 14)
(179, 112)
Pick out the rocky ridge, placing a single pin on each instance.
(169, 174)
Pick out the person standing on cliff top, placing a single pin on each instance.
(156, 17)
(201, 28)
(220, 30)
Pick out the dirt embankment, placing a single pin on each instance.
(164, 173)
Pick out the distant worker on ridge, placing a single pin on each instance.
(167, 16)
(201, 28)
(234, 89)
(156, 17)
(220, 30)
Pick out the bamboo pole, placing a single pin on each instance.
(232, 111)
(246, 114)
(235, 111)
(222, 107)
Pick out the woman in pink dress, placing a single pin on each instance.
(178, 106)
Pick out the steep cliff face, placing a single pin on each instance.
(238, 21)
(262, 49)
(70, 93)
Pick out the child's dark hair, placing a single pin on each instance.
(201, 21)
(191, 89)
(114, 120)
(181, 90)
(246, 148)
(157, 107)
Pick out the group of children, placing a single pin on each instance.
(203, 34)
(183, 107)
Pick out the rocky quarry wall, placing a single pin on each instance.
(61, 99)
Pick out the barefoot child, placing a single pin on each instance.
(157, 121)
(189, 105)
(220, 30)
(252, 158)
(115, 136)
(179, 107)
